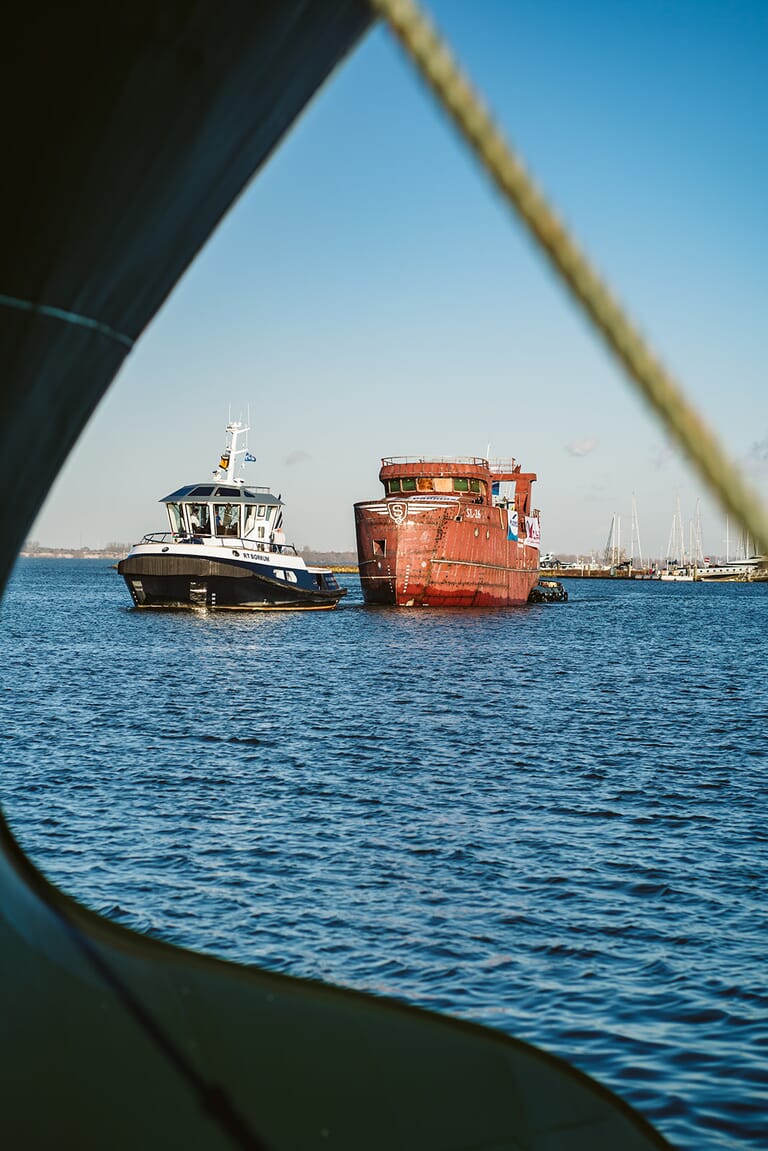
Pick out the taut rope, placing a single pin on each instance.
(438, 68)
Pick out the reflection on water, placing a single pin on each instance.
(551, 820)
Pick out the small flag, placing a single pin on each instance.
(249, 459)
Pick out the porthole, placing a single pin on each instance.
(234, 553)
(165, 549)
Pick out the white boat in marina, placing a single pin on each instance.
(734, 571)
(682, 574)
(225, 549)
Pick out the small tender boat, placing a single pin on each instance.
(548, 591)
(225, 549)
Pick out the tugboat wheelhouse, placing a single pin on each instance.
(202, 511)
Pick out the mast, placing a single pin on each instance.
(635, 535)
(699, 546)
(610, 545)
(225, 472)
(672, 542)
(680, 543)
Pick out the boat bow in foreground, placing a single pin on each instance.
(127, 132)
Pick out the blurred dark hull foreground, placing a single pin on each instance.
(127, 132)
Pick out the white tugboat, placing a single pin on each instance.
(225, 549)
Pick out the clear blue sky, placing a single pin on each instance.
(369, 295)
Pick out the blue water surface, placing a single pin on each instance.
(551, 820)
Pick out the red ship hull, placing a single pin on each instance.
(443, 536)
(441, 556)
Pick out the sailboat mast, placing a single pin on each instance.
(672, 542)
(680, 542)
(699, 545)
(636, 534)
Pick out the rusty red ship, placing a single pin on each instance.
(451, 532)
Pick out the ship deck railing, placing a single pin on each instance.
(507, 465)
(219, 541)
(477, 460)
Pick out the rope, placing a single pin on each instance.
(68, 317)
(442, 74)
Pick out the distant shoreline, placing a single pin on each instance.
(70, 554)
(339, 561)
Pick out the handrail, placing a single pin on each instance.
(220, 541)
(478, 461)
(497, 465)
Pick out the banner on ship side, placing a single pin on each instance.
(511, 523)
(533, 530)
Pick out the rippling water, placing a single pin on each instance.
(551, 820)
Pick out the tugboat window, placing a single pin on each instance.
(269, 514)
(443, 484)
(425, 484)
(176, 519)
(409, 483)
(460, 484)
(250, 520)
(393, 485)
(474, 485)
(261, 510)
(199, 519)
(227, 519)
